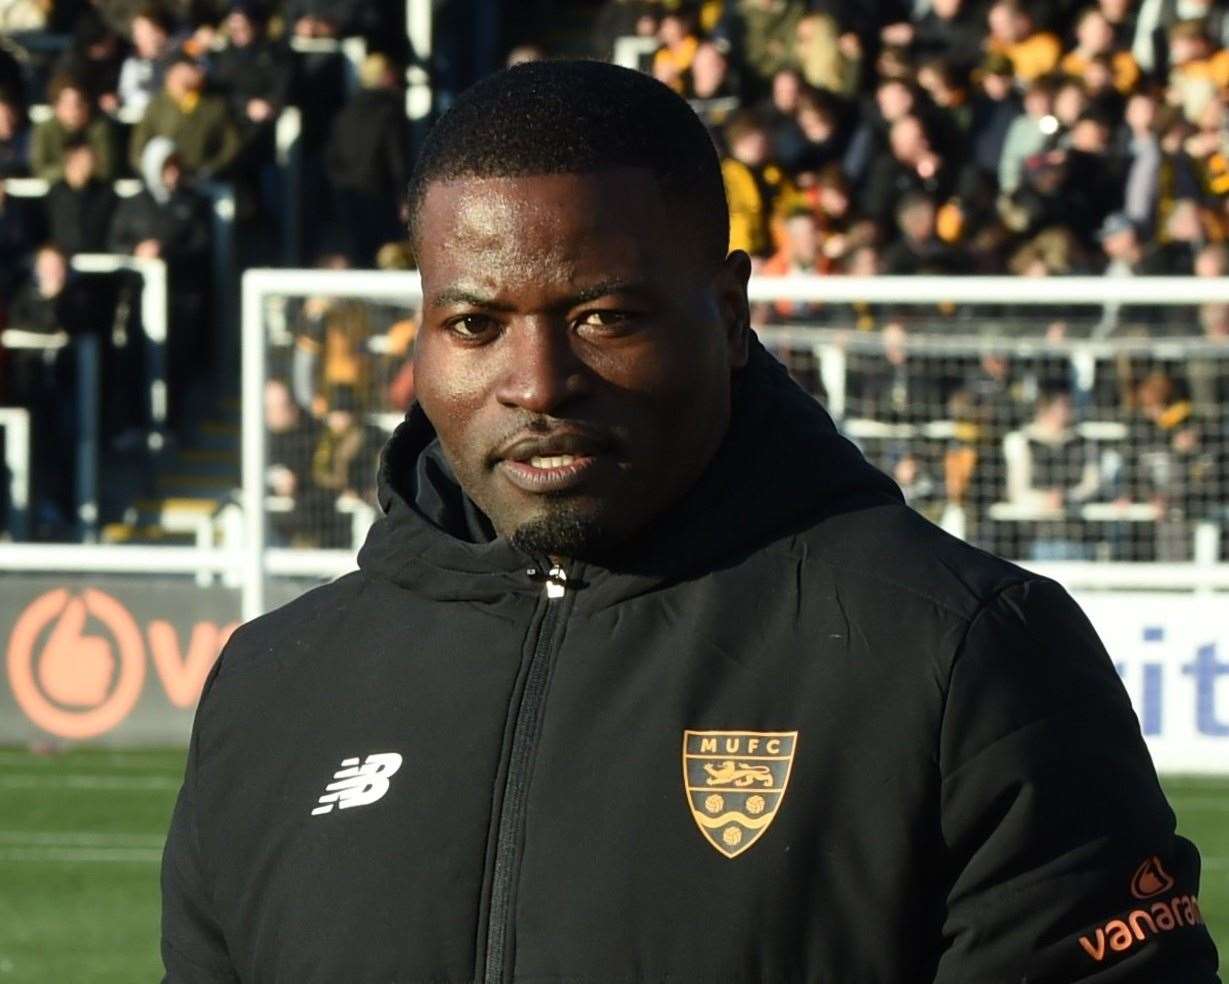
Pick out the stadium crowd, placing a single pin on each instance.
(857, 137)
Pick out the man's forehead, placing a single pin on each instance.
(564, 229)
(615, 198)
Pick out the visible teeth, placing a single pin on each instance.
(555, 461)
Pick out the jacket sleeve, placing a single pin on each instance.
(193, 945)
(1063, 861)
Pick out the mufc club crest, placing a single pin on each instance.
(735, 781)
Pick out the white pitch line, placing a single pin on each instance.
(80, 855)
(1216, 804)
(79, 838)
(69, 781)
(106, 760)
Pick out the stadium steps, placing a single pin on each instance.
(188, 486)
(178, 520)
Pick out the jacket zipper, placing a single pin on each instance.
(516, 786)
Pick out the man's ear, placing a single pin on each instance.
(730, 285)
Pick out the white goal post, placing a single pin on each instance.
(264, 287)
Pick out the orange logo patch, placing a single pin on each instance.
(1151, 879)
(735, 782)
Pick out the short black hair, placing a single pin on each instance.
(578, 117)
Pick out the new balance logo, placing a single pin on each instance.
(358, 785)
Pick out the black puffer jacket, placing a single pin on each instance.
(797, 734)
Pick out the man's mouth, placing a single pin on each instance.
(553, 474)
(550, 463)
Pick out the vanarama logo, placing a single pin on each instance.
(1149, 880)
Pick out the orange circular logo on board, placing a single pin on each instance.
(68, 681)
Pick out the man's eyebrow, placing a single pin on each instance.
(605, 288)
(461, 295)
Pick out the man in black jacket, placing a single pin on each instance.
(646, 674)
(368, 161)
(80, 206)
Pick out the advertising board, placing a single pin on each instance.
(120, 660)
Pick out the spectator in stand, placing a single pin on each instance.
(41, 380)
(169, 220)
(821, 134)
(334, 18)
(828, 59)
(96, 58)
(679, 43)
(756, 188)
(623, 18)
(140, 76)
(1207, 149)
(1051, 469)
(292, 440)
(765, 32)
(72, 119)
(17, 239)
(1091, 177)
(799, 252)
(999, 394)
(52, 301)
(890, 386)
(206, 139)
(1053, 252)
(780, 115)
(1199, 70)
(894, 99)
(994, 107)
(1212, 261)
(1183, 236)
(330, 346)
(1121, 245)
(1028, 134)
(1070, 102)
(712, 86)
(1094, 38)
(912, 165)
(1012, 33)
(368, 161)
(343, 464)
(253, 72)
(918, 248)
(80, 206)
(951, 30)
(1143, 154)
(14, 137)
(1171, 466)
(948, 89)
(1208, 377)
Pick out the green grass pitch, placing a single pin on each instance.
(81, 836)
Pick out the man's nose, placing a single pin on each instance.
(542, 372)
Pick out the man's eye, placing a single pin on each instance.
(471, 326)
(603, 319)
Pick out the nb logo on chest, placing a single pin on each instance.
(358, 785)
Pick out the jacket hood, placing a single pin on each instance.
(157, 152)
(782, 467)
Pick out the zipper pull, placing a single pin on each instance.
(556, 580)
